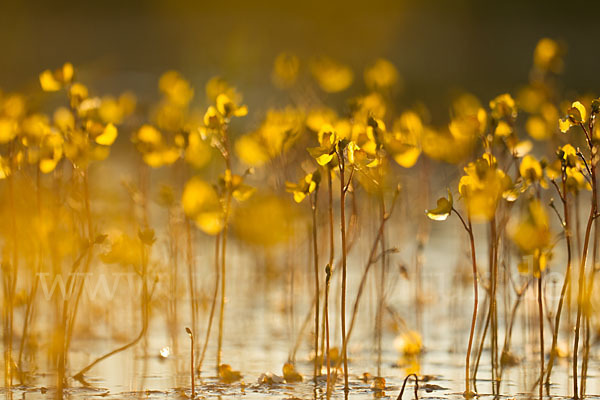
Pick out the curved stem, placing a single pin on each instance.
(468, 392)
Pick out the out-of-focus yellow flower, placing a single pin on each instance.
(318, 117)
(531, 171)
(176, 88)
(548, 56)
(115, 110)
(503, 107)
(156, 152)
(149, 134)
(404, 144)
(483, 186)
(35, 126)
(201, 203)
(381, 75)
(276, 134)
(503, 129)
(465, 104)
(78, 93)
(307, 185)
(331, 76)
(8, 129)
(371, 105)
(409, 343)
(228, 108)
(13, 106)
(239, 190)
(108, 135)
(285, 70)
(264, 220)
(543, 125)
(217, 85)
(64, 119)
(532, 235)
(197, 152)
(212, 118)
(51, 152)
(53, 81)
(328, 140)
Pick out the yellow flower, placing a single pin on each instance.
(52, 81)
(404, 144)
(531, 170)
(8, 129)
(212, 118)
(108, 136)
(201, 203)
(503, 107)
(264, 220)
(149, 134)
(155, 151)
(331, 76)
(358, 157)
(227, 107)
(576, 115)
(409, 343)
(285, 70)
(443, 209)
(217, 85)
(176, 88)
(381, 75)
(533, 237)
(548, 55)
(277, 133)
(198, 152)
(51, 152)
(328, 140)
(483, 186)
(115, 110)
(304, 187)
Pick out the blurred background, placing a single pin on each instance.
(438, 46)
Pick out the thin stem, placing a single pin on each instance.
(370, 261)
(191, 335)
(313, 205)
(567, 280)
(541, 322)
(213, 304)
(468, 392)
(343, 189)
(381, 290)
(581, 289)
(228, 195)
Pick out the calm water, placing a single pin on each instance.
(260, 333)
